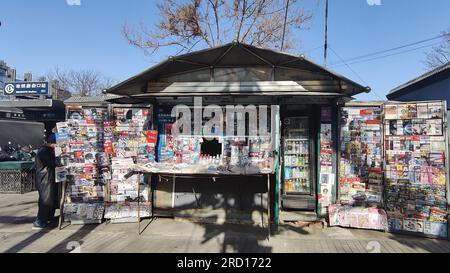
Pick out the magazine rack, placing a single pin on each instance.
(63, 187)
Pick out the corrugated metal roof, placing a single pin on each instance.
(235, 55)
(411, 83)
(366, 103)
(91, 99)
(240, 88)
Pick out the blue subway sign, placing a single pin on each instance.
(27, 89)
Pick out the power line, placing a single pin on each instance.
(389, 50)
(312, 49)
(383, 56)
(337, 55)
(354, 72)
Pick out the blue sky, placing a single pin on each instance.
(36, 36)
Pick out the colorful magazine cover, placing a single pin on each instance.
(390, 111)
(422, 110)
(435, 110)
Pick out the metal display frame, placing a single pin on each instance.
(445, 135)
(338, 142)
(151, 108)
(63, 185)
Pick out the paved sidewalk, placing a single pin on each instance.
(17, 212)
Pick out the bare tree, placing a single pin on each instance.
(188, 24)
(439, 55)
(80, 82)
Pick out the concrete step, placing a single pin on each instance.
(217, 216)
(298, 216)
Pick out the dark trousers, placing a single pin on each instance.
(48, 200)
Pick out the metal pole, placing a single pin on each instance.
(139, 204)
(268, 206)
(326, 34)
(284, 27)
(61, 204)
(173, 191)
(276, 139)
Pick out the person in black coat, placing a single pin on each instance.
(45, 182)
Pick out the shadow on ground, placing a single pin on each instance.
(242, 235)
(74, 242)
(69, 244)
(16, 220)
(422, 243)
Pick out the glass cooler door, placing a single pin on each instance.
(297, 176)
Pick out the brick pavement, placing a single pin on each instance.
(17, 212)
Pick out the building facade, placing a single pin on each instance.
(5, 77)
